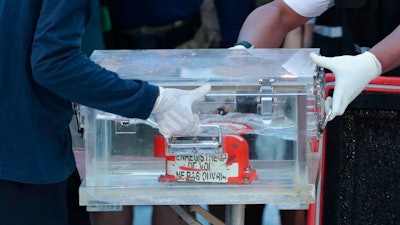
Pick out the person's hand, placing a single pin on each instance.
(352, 75)
(173, 111)
(237, 47)
(242, 45)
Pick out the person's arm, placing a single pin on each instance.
(388, 51)
(59, 65)
(267, 26)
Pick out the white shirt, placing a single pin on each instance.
(310, 8)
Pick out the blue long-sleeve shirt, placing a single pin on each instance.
(42, 69)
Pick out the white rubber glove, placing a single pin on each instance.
(352, 75)
(237, 47)
(173, 111)
(242, 45)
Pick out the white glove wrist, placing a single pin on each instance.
(373, 64)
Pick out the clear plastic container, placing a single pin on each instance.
(270, 97)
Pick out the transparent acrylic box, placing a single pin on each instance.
(270, 97)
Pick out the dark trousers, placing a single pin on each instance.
(165, 37)
(42, 204)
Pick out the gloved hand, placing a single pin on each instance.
(242, 45)
(352, 75)
(173, 111)
(237, 47)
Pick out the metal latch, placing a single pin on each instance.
(323, 123)
(265, 106)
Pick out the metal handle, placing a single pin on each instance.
(199, 142)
